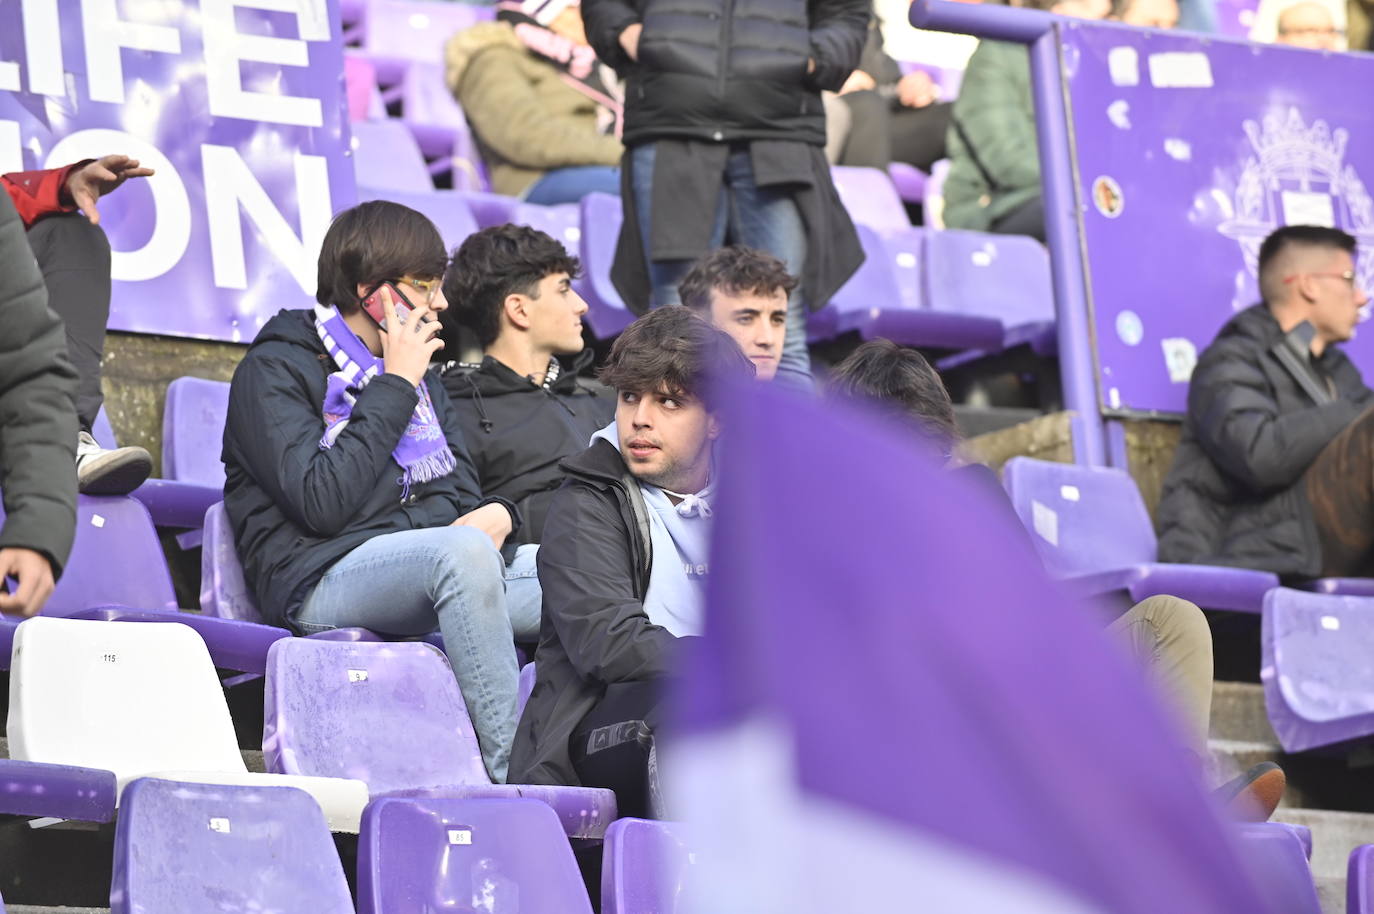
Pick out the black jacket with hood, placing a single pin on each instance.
(518, 432)
(594, 568)
(1234, 495)
(295, 508)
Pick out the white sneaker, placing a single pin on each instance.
(113, 472)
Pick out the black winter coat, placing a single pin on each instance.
(297, 509)
(37, 413)
(518, 432)
(594, 568)
(1234, 495)
(729, 70)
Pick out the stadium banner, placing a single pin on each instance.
(1189, 151)
(239, 107)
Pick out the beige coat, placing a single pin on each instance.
(526, 117)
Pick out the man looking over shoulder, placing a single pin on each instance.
(1276, 467)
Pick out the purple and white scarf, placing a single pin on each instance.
(423, 450)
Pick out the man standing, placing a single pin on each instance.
(624, 562)
(37, 428)
(74, 255)
(743, 292)
(1276, 464)
(523, 408)
(725, 137)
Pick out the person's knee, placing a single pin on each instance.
(69, 235)
(1176, 618)
(462, 551)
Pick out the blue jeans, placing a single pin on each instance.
(760, 217)
(568, 185)
(451, 578)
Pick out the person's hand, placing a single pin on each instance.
(407, 348)
(858, 81)
(810, 65)
(94, 180)
(629, 40)
(493, 520)
(34, 574)
(917, 90)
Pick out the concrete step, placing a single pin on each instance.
(1238, 713)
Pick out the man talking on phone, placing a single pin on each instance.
(350, 491)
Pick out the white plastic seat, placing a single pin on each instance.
(142, 701)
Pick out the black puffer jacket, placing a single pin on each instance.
(518, 432)
(594, 569)
(1234, 495)
(296, 509)
(37, 414)
(729, 70)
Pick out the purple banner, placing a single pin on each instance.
(1189, 152)
(240, 107)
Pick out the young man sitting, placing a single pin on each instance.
(624, 561)
(350, 491)
(743, 292)
(523, 408)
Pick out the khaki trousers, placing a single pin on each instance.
(1170, 638)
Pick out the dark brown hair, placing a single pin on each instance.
(884, 372)
(375, 242)
(733, 270)
(494, 263)
(673, 350)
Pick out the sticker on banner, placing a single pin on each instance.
(1107, 197)
(1180, 150)
(1114, 398)
(1331, 623)
(1307, 208)
(460, 836)
(1124, 65)
(357, 675)
(1119, 113)
(220, 825)
(1045, 522)
(1129, 329)
(1180, 70)
(1180, 357)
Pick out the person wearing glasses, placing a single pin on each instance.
(350, 490)
(1275, 470)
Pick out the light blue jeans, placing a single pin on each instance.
(411, 582)
(765, 218)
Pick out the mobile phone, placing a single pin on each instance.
(376, 310)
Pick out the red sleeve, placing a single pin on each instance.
(38, 193)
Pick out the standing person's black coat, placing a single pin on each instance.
(594, 569)
(1235, 494)
(729, 70)
(37, 409)
(518, 432)
(295, 508)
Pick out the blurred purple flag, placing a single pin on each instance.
(894, 710)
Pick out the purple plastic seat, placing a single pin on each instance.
(446, 209)
(1276, 862)
(909, 180)
(1091, 529)
(116, 559)
(233, 643)
(440, 128)
(489, 208)
(870, 197)
(360, 84)
(392, 716)
(1354, 587)
(1005, 277)
(872, 303)
(1318, 681)
(193, 431)
(601, 219)
(444, 854)
(1359, 881)
(399, 32)
(41, 790)
(644, 865)
(386, 158)
(182, 847)
(562, 222)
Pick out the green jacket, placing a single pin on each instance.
(994, 116)
(526, 118)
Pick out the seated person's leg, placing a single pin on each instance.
(74, 256)
(611, 746)
(1026, 219)
(410, 582)
(569, 185)
(868, 144)
(1340, 488)
(1172, 641)
(918, 134)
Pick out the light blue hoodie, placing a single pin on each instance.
(680, 536)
